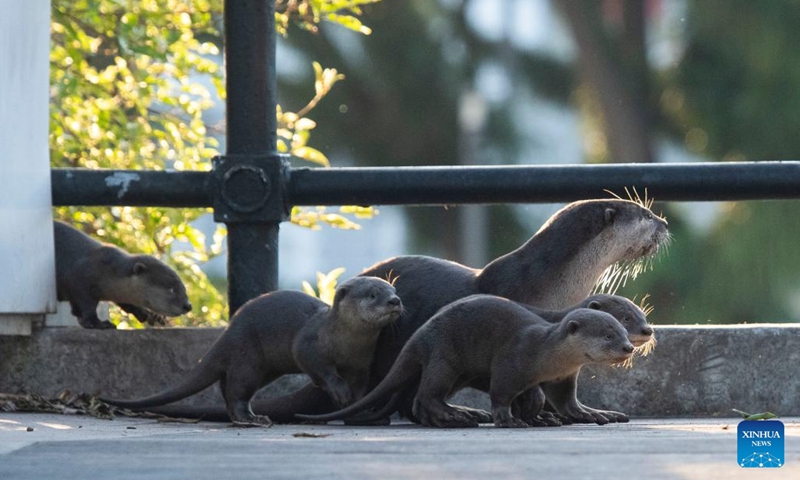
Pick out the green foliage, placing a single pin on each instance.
(326, 285)
(121, 97)
(125, 95)
(307, 14)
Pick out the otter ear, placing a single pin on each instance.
(139, 268)
(341, 292)
(594, 305)
(572, 327)
(610, 213)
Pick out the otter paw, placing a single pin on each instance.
(582, 417)
(256, 421)
(480, 416)
(510, 422)
(599, 418)
(615, 417)
(565, 420)
(453, 419)
(535, 422)
(550, 419)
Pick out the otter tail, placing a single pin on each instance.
(403, 372)
(205, 374)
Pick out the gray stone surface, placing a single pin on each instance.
(694, 371)
(76, 447)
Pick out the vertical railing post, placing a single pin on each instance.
(250, 193)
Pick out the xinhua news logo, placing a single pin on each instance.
(761, 444)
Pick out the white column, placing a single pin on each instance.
(27, 258)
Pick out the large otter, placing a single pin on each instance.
(498, 344)
(291, 332)
(88, 271)
(558, 267)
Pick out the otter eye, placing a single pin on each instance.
(609, 336)
(648, 215)
(373, 296)
(172, 290)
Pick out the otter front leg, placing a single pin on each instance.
(562, 397)
(84, 307)
(528, 407)
(325, 376)
(504, 388)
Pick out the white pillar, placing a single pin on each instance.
(27, 258)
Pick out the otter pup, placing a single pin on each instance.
(292, 332)
(527, 406)
(491, 341)
(88, 271)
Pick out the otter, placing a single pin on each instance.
(88, 271)
(628, 314)
(291, 332)
(495, 343)
(558, 267)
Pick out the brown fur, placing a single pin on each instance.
(88, 271)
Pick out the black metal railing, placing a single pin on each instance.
(252, 188)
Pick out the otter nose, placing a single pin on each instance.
(187, 307)
(394, 301)
(647, 331)
(628, 348)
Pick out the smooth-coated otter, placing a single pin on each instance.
(558, 267)
(88, 271)
(292, 332)
(492, 342)
(527, 405)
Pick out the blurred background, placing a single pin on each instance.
(491, 82)
(546, 82)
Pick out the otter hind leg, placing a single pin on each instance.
(239, 386)
(430, 407)
(86, 312)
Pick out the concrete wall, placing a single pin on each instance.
(693, 371)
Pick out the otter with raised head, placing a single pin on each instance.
(491, 341)
(558, 267)
(291, 332)
(88, 271)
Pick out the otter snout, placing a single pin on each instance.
(627, 348)
(647, 331)
(187, 307)
(394, 301)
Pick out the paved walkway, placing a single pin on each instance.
(74, 447)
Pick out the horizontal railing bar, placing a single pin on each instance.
(446, 185)
(543, 183)
(140, 188)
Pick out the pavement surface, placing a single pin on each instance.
(43, 446)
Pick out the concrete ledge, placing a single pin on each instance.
(694, 371)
